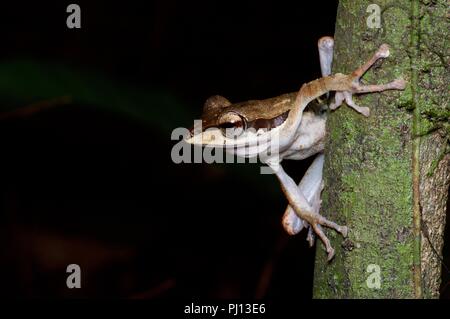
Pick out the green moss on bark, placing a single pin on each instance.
(368, 167)
(373, 165)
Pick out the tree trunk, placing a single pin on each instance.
(387, 176)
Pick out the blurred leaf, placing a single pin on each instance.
(24, 81)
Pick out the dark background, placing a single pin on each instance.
(85, 123)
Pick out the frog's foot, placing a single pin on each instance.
(325, 240)
(315, 227)
(357, 87)
(347, 97)
(311, 237)
(317, 222)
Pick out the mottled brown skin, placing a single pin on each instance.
(252, 110)
(271, 108)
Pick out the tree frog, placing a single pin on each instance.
(247, 129)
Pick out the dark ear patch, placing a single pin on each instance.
(215, 102)
(269, 123)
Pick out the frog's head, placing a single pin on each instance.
(240, 126)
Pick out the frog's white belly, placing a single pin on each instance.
(310, 138)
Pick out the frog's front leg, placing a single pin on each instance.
(304, 210)
(356, 87)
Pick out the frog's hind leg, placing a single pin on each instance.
(304, 201)
(292, 224)
(311, 186)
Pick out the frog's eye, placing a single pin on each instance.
(232, 124)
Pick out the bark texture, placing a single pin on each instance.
(387, 176)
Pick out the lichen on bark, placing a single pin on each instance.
(369, 161)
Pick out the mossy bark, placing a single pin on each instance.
(379, 176)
